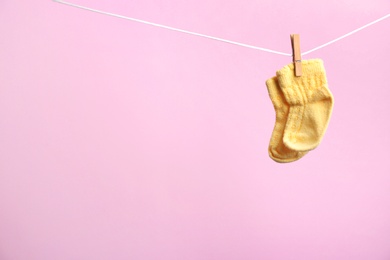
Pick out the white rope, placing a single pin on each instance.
(220, 39)
(346, 35)
(173, 29)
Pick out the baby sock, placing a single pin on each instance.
(277, 150)
(310, 104)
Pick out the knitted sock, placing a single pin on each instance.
(310, 102)
(277, 150)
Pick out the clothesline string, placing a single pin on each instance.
(220, 39)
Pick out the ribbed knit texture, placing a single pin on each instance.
(277, 150)
(310, 104)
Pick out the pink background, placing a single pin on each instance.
(119, 140)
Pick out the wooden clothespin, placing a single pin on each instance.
(296, 48)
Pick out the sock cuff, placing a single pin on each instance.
(298, 90)
(274, 93)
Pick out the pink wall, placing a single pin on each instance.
(123, 141)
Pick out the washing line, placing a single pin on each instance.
(220, 39)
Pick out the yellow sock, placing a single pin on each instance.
(310, 102)
(277, 150)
